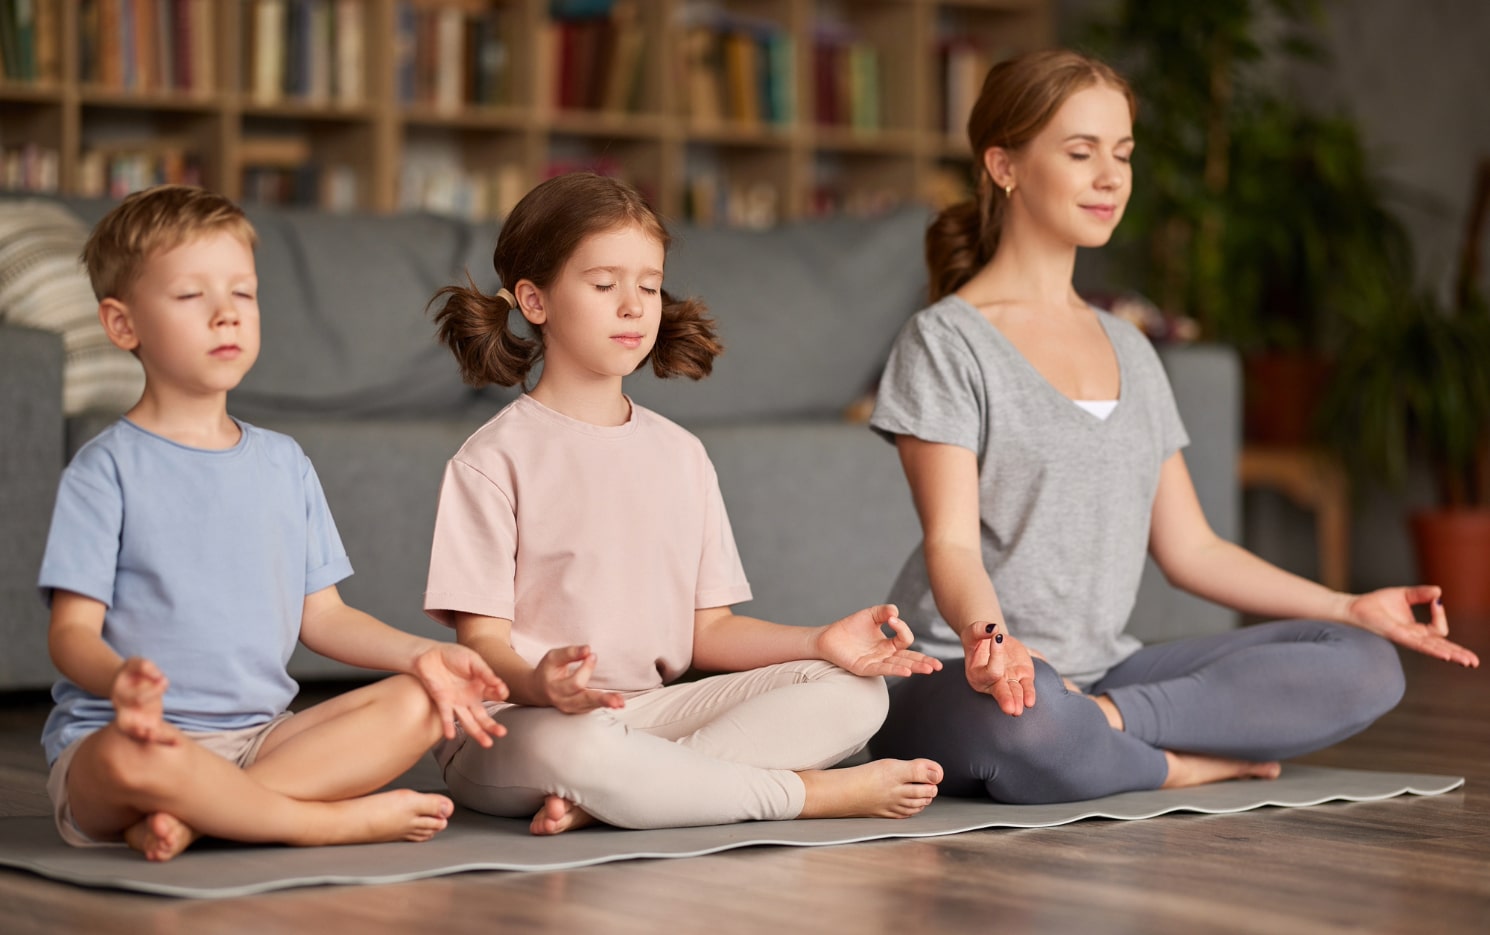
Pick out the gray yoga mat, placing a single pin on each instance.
(480, 842)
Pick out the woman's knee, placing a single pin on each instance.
(1371, 673)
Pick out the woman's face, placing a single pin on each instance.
(1072, 181)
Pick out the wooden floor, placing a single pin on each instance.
(1404, 865)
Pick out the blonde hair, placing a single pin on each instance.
(1019, 98)
(153, 221)
(537, 239)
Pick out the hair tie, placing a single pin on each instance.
(502, 293)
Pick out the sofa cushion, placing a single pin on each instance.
(43, 285)
(807, 312)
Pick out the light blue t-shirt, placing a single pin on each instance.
(203, 558)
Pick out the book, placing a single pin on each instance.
(348, 31)
(449, 58)
(268, 50)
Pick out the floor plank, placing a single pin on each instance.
(1405, 865)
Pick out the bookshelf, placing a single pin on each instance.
(726, 111)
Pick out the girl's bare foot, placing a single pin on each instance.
(879, 789)
(159, 836)
(399, 815)
(558, 815)
(1193, 769)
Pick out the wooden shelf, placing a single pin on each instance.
(804, 106)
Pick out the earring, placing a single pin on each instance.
(1009, 190)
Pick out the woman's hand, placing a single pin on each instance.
(999, 665)
(1388, 613)
(458, 680)
(562, 680)
(859, 644)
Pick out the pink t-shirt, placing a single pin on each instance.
(583, 534)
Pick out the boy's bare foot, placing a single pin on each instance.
(399, 815)
(879, 789)
(159, 836)
(1193, 769)
(558, 815)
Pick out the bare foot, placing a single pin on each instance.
(879, 789)
(559, 815)
(1192, 769)
(1110, 711)
(399, 815)
(159, 836)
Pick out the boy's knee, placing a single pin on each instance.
(133, 766)
(407, 696)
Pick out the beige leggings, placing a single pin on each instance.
(719, 750)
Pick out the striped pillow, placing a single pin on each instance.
(43, 285)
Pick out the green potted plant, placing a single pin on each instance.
(1259, 218)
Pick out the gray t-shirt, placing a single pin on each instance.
(1064, 496)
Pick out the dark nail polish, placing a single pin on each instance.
(990, 628)
(999, 638)
(1439, 601)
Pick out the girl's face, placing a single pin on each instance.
(601, 313)
(1072, 181)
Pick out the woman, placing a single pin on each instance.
(1042, 445)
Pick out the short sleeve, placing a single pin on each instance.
(82, 553)
(473, 560)
(326, 560)
(931, 388)
(721, 577)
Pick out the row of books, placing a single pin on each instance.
(474, 195)
(115, 173)
(846, 82)
(738, 71)
(147, 45)
(305, 50)
(28, 40)
(325, 187)
(29, 168)
(964, 63)
(448, 57)
(592, 56)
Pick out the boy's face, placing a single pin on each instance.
(192, 317)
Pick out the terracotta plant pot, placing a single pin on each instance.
(1453, 549)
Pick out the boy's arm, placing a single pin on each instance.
(134, 686)
(457, 679)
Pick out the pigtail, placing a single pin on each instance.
(474, 326)
(687, 342)
(961, 239)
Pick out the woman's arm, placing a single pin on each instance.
(944, 486)
(560, 680)
(1197, 560)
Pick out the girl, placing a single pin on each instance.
(581, 547)
(1042, 446)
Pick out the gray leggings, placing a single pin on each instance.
(1266, 692)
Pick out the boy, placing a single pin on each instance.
(205, 544)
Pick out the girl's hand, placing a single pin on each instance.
(857, 643)
(1388, 613)
(138, 695)
(999, 665)
(458, 681)
(562, 679)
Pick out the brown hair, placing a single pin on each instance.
(537, 239)
(1019, 97)
(153, 221)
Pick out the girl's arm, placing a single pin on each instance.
(1197, 560)
(560, 680)
(724, 641)
(944, 486)
(457, 679)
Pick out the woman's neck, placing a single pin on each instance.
(1025, 270)
(597, 402)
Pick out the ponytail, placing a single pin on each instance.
(474, 326)
(686, 340)
(960, 240)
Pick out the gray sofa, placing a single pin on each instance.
(350, 368)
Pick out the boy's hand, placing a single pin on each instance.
(859, 644)
(138, 695)
(458, 681)
(562, 679)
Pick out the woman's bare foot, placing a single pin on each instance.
(1193, 769)
(1109, 711)
(399, 815)
(879, 789)
(159, 836)
(558, 815)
